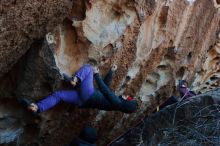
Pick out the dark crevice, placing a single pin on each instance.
(148, 82)
(79, 10)
(180, 72)
(189, 56)
(213, 78)
(162, 67)
(163, 15)
(170, 53)
(128, 78)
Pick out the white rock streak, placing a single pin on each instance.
(102, 26)
(191, 1)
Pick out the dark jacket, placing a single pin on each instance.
(105, 99)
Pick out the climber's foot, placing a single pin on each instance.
(28, 104)
(33, 107)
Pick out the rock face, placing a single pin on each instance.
(10, 130)
(23, 21)
(190, 122)
(208, 77)
(153, 42)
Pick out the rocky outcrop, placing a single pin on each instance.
(23, 21)
(208, 76)
(10, 130)
(153, 43)
(190, 122)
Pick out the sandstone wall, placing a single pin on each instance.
(153, 42)
(23, 21)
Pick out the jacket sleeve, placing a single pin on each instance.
(108, 78)
(111, 97)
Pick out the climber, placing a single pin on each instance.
(184, 91)
(84, 95)
(87, 137)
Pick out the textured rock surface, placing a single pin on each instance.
(10, 130)
(196, 123)
(208, 77)
(23, 21)
(152, 42)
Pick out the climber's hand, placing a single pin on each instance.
(95, 70)
(74, 81)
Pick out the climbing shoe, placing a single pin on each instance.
(31, 106)
(25, 102)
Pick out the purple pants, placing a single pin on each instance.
(75, 97)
